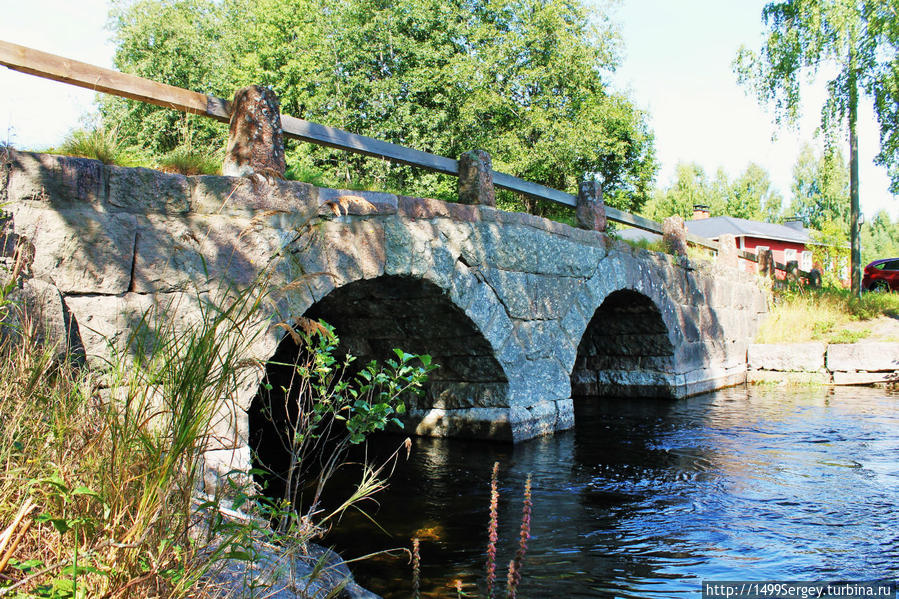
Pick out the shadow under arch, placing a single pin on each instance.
(625, 350)
(371, 317)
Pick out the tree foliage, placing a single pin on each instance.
(855, 42)
(522, 79)
(882, 17)
(820, 188)
(753, 196)
(176, 42)
(880, 238)
(750, 195)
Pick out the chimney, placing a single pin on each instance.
(700, 211)
(794, 222)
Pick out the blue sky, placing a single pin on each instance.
(676, 66)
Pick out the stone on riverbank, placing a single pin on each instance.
(838, 364)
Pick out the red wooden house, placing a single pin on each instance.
(789, 241)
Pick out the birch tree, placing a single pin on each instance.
(854, 43)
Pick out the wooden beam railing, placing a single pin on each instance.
(81, 74)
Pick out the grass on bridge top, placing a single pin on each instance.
(830, 315)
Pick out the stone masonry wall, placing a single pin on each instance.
(503, 299)
(837, 364)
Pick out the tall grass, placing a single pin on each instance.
(103, 144)
(190, 160)
(107, 146)
(109, 459)
(694, 253)
(806, 314)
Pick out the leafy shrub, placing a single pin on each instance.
(330, 405)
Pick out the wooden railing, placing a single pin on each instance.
(81, 74)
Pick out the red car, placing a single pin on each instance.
(882, 275)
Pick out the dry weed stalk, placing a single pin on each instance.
(8, 542)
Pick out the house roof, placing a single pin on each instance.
(714, 227)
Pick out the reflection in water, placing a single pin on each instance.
(645, 498)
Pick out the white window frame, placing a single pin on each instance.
(806, 263)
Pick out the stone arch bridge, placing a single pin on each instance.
(521, 313)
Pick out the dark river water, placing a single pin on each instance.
(646, 498)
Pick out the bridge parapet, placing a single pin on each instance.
(521, 312)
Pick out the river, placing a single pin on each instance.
(646, 498)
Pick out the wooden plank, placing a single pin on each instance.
(218, 108)
(703, 242)
(633, 220)
(360, 144)
(534, 190)
(82, 74)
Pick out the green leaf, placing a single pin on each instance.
(57, 482)
(240, 555)
(61, 524)
(82, 490)
(26, 565)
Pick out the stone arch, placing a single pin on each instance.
(626, 350)
(371, 318)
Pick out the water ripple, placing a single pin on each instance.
(647, 498)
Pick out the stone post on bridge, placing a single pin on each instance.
(674, 235)
(476, 179)
(766, 262)
(727, 251)
(255, 138)
(590, 210)
(793, 271)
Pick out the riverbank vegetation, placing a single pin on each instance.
(101, 470)
(829, 314)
